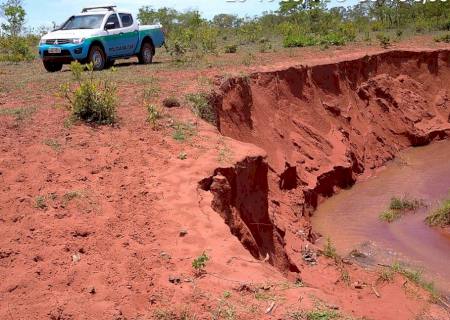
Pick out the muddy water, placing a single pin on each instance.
(351, 218)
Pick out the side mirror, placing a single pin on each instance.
(110, 25)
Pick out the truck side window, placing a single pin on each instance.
(113, 18)
(127, 19)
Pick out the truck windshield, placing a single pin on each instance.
(83, 22)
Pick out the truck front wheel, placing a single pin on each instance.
(52, 66)
(146, 54)
(97, 58)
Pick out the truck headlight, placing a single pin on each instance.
(78, 40)
(42, 41)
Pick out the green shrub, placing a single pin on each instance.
(202, 107)
(306, 40)
(264, 45)
(384, 40)
(300, 40)
(398, 207)
(441, 216)
(348, 31)
(390, 215)
(15, 49)
(177, 49)
(154, 114)
(329, 250)
(183, 131)
(200, 262)
(231, 48)
(93, 100)
(333, 39)
(250, 32)
(444, 38)
(405, 204)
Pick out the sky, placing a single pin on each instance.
(43, 12)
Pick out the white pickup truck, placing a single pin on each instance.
(99, 35)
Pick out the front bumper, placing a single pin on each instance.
(69, 52)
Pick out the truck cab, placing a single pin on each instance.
(99, 35)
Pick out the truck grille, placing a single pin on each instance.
(57, 41)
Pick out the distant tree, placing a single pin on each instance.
(224, 20)
(166, 16)
(14, 14)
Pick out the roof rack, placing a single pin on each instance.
(109, 8)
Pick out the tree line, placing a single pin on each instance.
(295, 23)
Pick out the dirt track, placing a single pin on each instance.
(107, 239)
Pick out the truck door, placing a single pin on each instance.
(129, 34)
(113, 36)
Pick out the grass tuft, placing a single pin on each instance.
(415, 276)
(154, 114)
(19, 114)
(201, 106)
(329, 250)
(398, 207)
(441, 216)
(40, 203)
(183, 131)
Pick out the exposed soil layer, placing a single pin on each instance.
(324, 126)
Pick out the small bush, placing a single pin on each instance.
(231, 48)
(322, 315)
(93, 100)
(199, 264)
(177, 50)
(330, 39)
(154, 114)
(444, 38)
(248, 59)
(171, 102)
(405, 204)
(202, 107)
(183, 131)
(390, 215)
(386, 275)
(15, 49)
(398, 207)
(333, 39)
(384, 40)
(329, 250)
(264, 45)
(40, 203)
(441, 216)
(300, 40)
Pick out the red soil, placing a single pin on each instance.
(108, 250)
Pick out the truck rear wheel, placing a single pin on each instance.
(146, 54)
(97, 58)
(52, 66)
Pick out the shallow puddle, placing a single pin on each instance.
(351, 218)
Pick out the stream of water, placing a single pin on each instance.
(351, 218)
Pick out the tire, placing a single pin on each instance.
(52, 66)
(146, 54)
(97, 58)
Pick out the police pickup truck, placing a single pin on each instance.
(99, 35)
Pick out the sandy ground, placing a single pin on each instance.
(104, 222)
